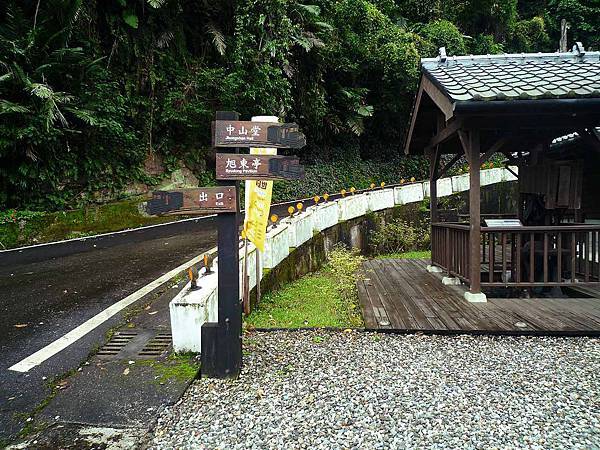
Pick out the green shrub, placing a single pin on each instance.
(400, 236)
(442, 33)
(343, 265)
(530, 36)
(483, 44)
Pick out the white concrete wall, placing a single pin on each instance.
(444, 187)
(380, 199)
(277, 246)
(491, 176)
(251, 271)
(300, 227)
(352, 206)
(325, 215)
(409, 193)
(190, 309)
(460, 183)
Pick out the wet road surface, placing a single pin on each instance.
(40, 302)
(47, 291)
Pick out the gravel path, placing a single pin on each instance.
(327, 390)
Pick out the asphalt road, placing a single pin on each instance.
(42, 301)
(47, 291)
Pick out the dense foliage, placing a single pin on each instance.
(400, 236)
(91, 91)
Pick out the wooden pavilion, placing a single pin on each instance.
(542, 111)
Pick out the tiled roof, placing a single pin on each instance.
(515, 77)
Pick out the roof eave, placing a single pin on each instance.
(563, 106)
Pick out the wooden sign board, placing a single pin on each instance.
(503, 223)
(237, 133)
(230, 166)
(194, 201)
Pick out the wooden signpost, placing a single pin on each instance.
(194, 201)
(258, 167)
(221, 353)
(228, 133)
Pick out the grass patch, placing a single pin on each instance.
(321, 299)
(420, 254)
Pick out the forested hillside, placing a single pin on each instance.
(98, 96)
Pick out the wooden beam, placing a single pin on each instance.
(495, 148)
(445, 133)
(434, 162)
(436, 152)
(449, 165)
(438, 97)
(413, 118)
(506, 166)
(464, 141)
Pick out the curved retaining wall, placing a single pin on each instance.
(299, 244)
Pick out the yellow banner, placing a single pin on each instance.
(258, 205)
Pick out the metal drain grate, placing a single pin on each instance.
(117, 343)
(156, 346)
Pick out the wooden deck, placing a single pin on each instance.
(400, 295)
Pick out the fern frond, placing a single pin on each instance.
(156, 3)
(7, 107)
(84, 115)
(218, 37)
(164, 39)
(311, 9)
(356, 125)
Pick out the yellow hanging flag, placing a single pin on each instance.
(258, 205)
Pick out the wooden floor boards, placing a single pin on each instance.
(399, 294)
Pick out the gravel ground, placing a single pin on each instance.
(317, 389)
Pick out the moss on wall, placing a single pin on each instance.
(76, 223)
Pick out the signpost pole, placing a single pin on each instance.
(222, 344)
(222, 341)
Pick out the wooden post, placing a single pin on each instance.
(257, 277)
(222, 343)
(473, 154)
(433, 195)
(433, 161)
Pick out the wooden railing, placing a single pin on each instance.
(450, 248)
(522, 256)
(540, 256)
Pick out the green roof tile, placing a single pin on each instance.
(513, 77)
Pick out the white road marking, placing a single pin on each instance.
(63, 342)
(100, 235)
